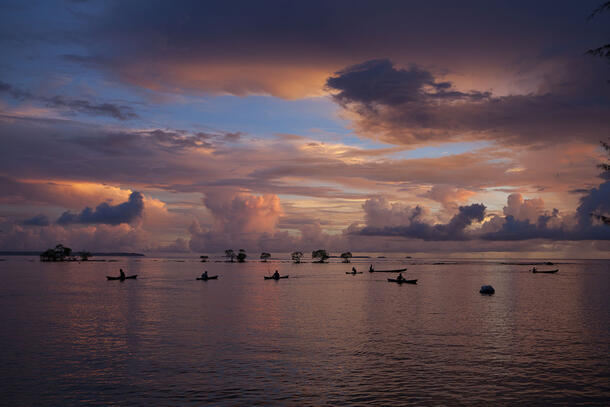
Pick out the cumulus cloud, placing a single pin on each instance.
(524, 219)
(105, 213)
(101, 237)
(552, 226)
(380, 213)
(448, 196)
(238, 218)
(523, 209)
(412, 226)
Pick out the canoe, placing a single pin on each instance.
(393, 280)
(353, 272)
(274, 278)
(387, 271)
(209, 278)
(545, 271)
(119, 278)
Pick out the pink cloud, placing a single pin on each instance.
(523, 209)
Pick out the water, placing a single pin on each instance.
(321, 337)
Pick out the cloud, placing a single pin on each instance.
(38, 220)
(79, 237)
(418, 229)
(120, 112)
(525, 219)
(238, 218)
(596, 201)
(411, 106)
(520, 209)
(448, 196)
(244, 213)
(378, 82)
(179, 245)
(287, 51)
(108, 214)
(380, 213)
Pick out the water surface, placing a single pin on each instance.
(321, 337)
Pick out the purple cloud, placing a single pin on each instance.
(107, 214)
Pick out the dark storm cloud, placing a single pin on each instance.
(410, 106)
(38, 220)
(379, 82)
(244, 47)
(107, 214)
(116, 111)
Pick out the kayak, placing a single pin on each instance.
(119, 278)
(208, 278)
(387, 271)
(545, 271)
(394, 280)
(275, 278)
(353, 272)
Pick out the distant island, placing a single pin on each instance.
(101, 254)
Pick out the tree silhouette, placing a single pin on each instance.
(230, 255)
(241, 256)
(265, 256)
(606, 175)
(84, 256)
(346, 256)
(59, 253)
(604, 50)
(320, 254)
(296, 256)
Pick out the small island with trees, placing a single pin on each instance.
(321, 255)
(296, 257)
(63, 253)
(232, 256)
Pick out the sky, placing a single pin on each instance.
(436, 128)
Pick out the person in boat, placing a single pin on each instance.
(534, 269)
(400, 277)
(371, 268)
(276, 275)
(204, 275)
(122, 276)
(354, 270)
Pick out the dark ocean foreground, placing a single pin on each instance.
(320, 337)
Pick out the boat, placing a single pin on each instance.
(545, 271)
(372, 270)
(487, 289)
(353, 273)
(121, 278)
(401, 281)
(275, 278)
(207, 278)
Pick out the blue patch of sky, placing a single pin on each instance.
(259, 116)
(441, 150)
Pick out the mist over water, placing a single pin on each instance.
(320, 337)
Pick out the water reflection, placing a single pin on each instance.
(319, 337)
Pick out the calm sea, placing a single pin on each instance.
(321, 337)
